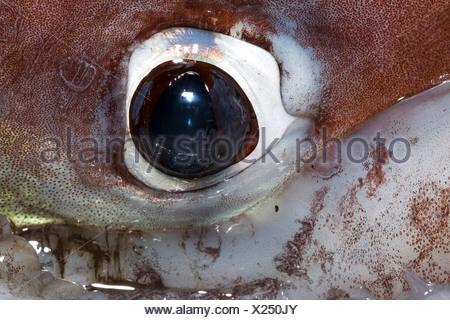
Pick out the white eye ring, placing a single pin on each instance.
(255, 71)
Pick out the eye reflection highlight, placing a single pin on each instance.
(195, 119)
(189, 96)
(198, 146)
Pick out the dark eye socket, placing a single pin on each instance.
(191, 119)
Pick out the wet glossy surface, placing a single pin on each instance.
(338, 236)
(195, 116)
(65, 65)
(254, 70)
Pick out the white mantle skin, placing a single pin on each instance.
(361, 230)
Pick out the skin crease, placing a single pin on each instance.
(373, 54)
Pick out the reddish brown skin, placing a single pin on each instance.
(373, 54)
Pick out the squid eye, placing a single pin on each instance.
(192, 119)
(201, 108)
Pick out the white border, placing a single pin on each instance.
(254, 69)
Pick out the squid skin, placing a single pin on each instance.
(372, 55)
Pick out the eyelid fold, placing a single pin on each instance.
(255, 71)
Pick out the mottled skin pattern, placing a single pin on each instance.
(373, 53)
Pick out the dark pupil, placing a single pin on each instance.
(192, 120)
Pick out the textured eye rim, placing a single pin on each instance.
(261, 85)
